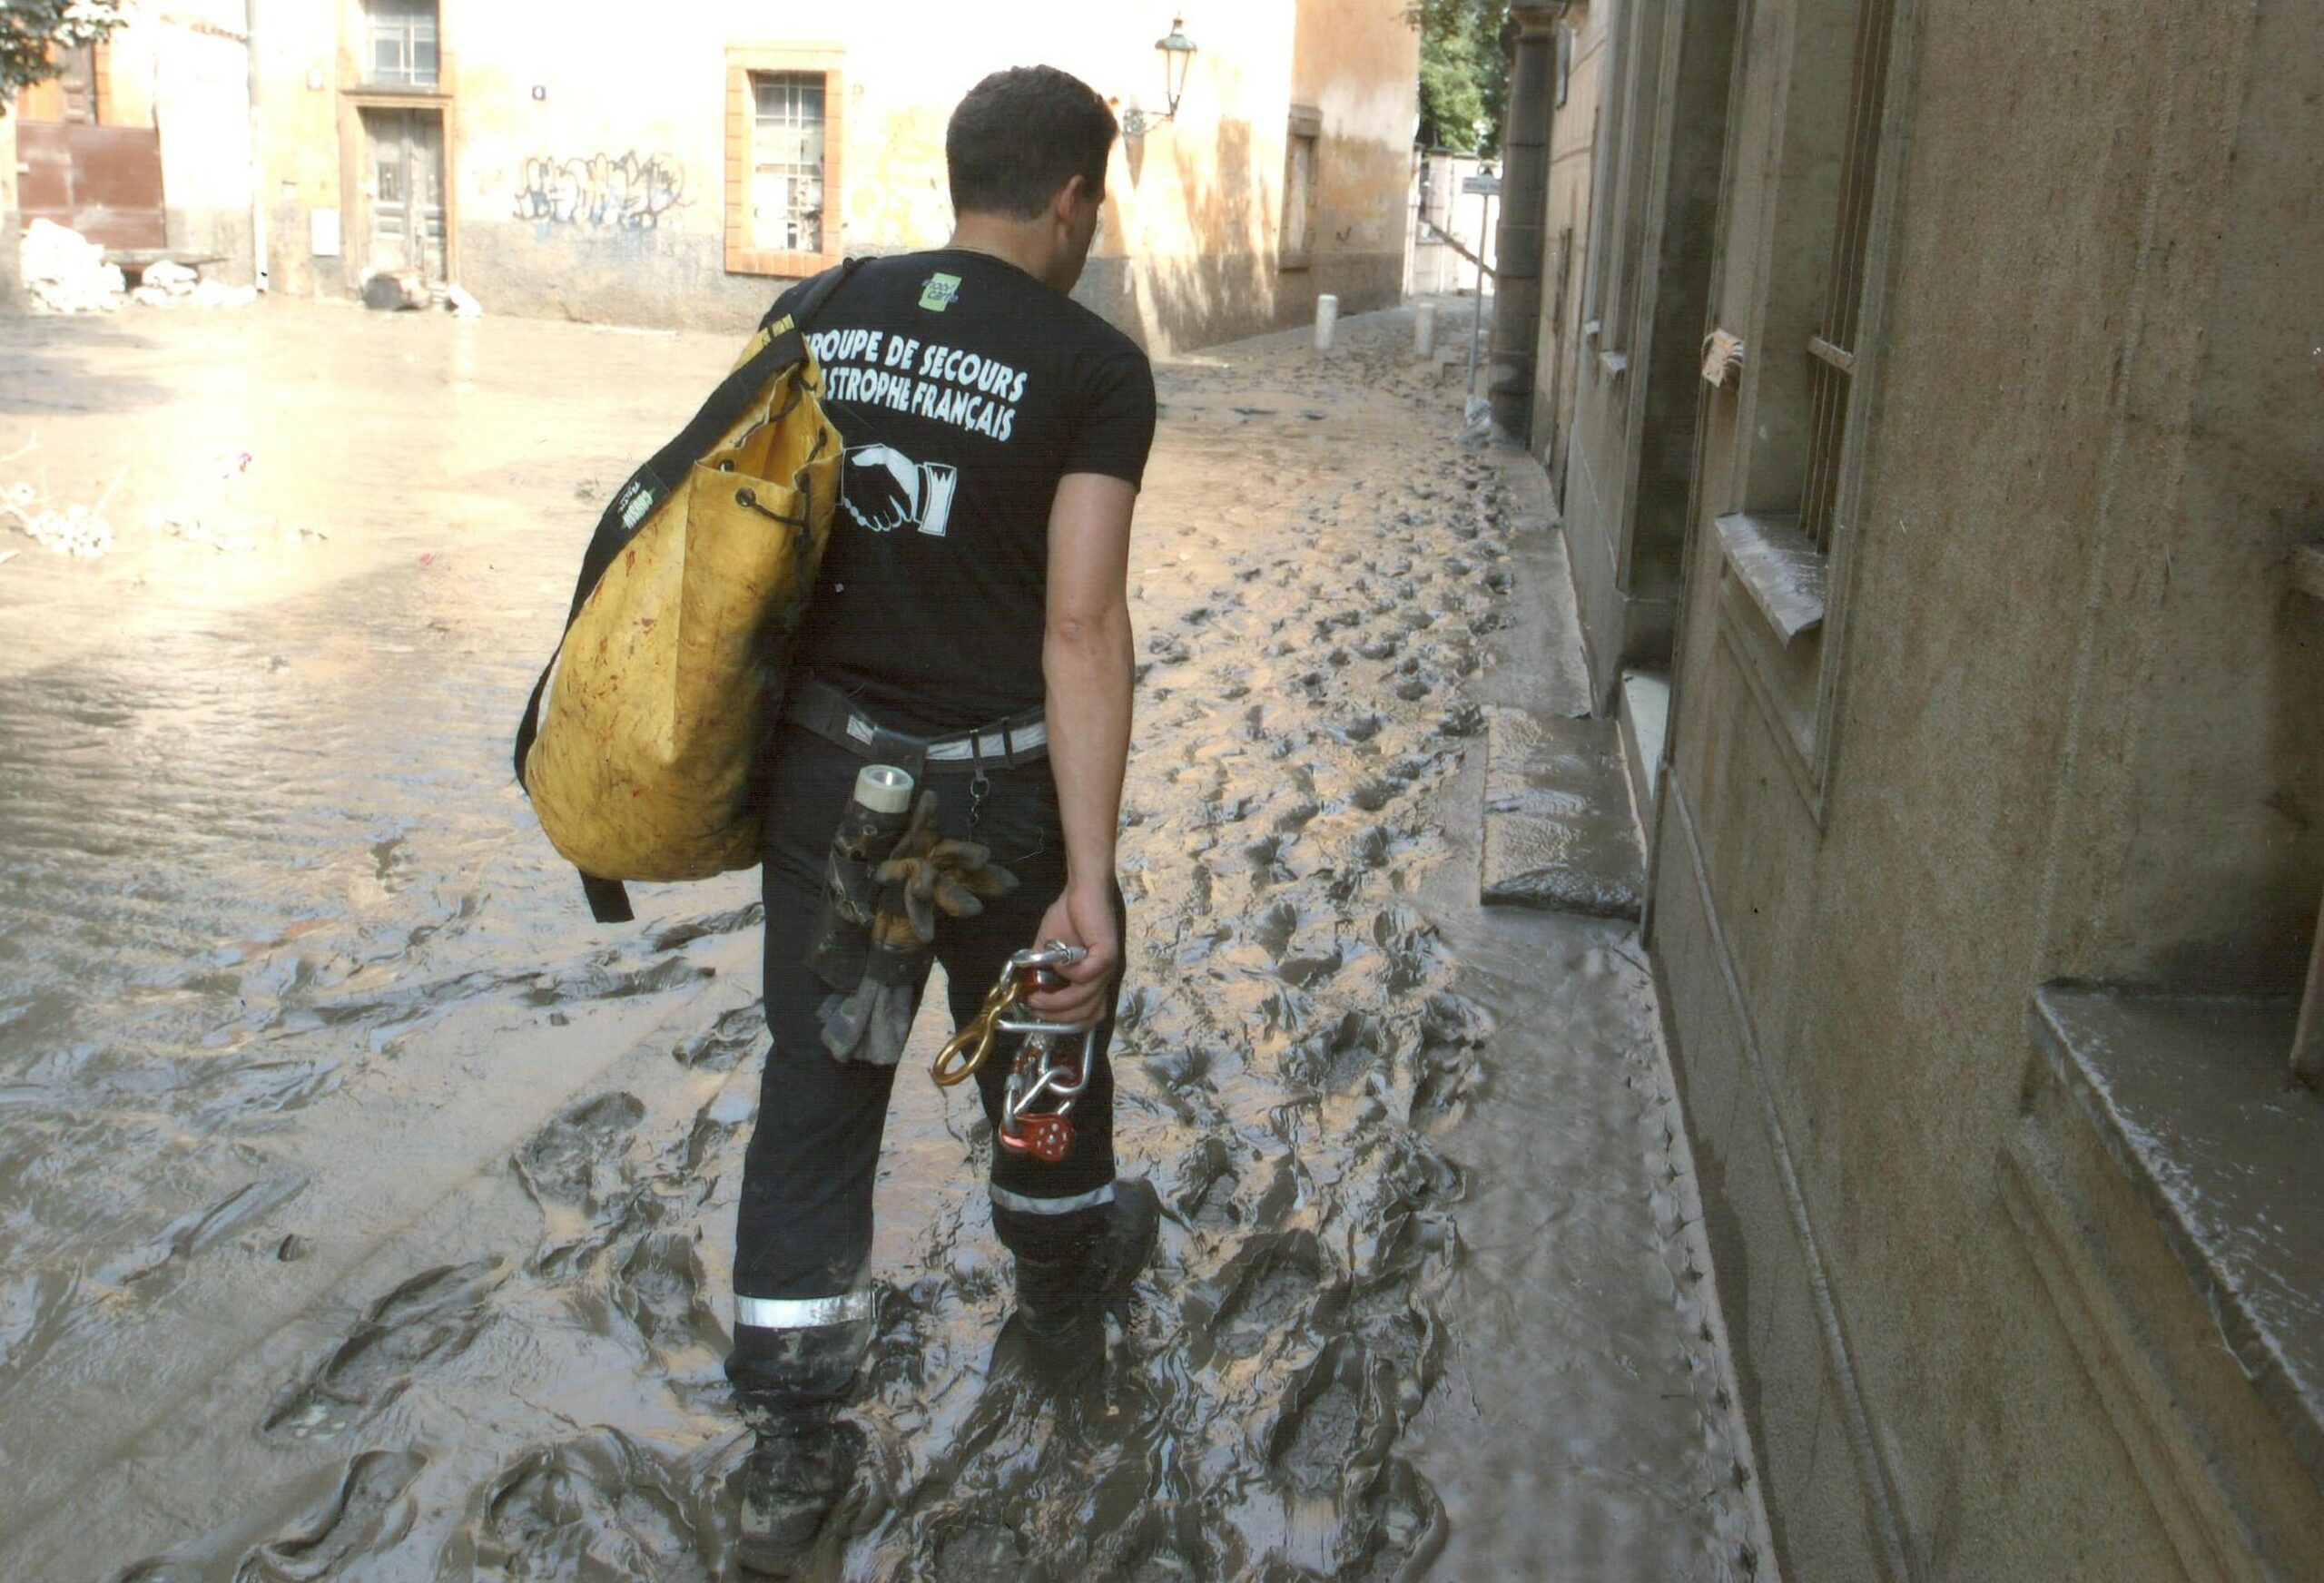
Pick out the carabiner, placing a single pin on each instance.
(966, 1050)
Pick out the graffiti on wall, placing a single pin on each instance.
(620, 191)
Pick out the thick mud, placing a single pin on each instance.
(365, 1212)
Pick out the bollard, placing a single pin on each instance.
(1327, 314)
(1424, 330)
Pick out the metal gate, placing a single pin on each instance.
(406, 189)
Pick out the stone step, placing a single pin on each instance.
(1558, 831)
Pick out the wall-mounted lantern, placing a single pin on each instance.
(1178, 52)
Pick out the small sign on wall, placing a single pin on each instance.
(322, 232)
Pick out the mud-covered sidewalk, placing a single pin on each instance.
(365, 1211)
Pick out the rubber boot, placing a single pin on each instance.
(789, 1384)
(803, 1461)
(1062, 1298)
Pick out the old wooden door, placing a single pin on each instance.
(406, 190)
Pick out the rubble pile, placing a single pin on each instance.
(65, 272)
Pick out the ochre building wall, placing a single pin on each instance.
(1189, 247)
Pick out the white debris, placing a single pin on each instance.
(74, 531)
(81, 531)
(211, 294)
(65, 272)
(184, 522)
(463, 303)
(170, 276)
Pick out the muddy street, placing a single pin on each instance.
(365, 1210)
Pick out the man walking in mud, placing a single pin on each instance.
(970, 615)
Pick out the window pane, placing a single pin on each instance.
(403, 36)
(787, 161)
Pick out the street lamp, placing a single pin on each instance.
(1178, 52)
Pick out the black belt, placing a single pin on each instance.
(831, 715)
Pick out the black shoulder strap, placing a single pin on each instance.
(652, 484)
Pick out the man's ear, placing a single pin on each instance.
(1069, 198)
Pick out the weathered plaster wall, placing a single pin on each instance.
(2068, 729)
(300, 71)
(1358, 62)
(187, 72)
(1187, 253)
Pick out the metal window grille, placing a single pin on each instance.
(403, 40)
(787, 161)
(1832, 349)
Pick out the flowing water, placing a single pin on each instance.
(364, 1209)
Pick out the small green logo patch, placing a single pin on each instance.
(940, 292)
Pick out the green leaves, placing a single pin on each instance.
(1463, 72)
(28, 28)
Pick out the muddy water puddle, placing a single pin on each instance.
(365, 1212)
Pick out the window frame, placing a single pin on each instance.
(745, 64)
(368, 70)
(1303, 127)
(1792, 676)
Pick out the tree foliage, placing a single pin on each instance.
(1463, 72)
(30, 28)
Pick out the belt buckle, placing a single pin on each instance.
(908, 753)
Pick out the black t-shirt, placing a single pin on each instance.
(965, 389)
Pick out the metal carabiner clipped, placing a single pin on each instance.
(1029, 969)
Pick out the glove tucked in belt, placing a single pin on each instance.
(875, 956)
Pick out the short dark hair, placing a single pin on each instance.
(1021, 134)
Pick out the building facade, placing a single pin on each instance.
(142, 144)
(677, 175)
(1940, 445)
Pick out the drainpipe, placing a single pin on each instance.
(1524, 217)
(258, 261)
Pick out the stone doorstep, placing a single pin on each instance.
(1558, 831)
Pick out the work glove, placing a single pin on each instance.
(923, 875)
(928, 875)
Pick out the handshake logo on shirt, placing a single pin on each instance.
(884, 489)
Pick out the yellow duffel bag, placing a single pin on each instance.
(640, 745)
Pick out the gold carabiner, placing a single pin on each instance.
(957, 1062)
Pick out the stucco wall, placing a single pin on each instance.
(1187, 253)
(2069, 718)
(186, 72)
(1357, 61)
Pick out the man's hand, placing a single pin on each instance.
(1083, 916)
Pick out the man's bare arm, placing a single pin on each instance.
(1086, 662)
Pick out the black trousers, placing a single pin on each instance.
(804, 1232)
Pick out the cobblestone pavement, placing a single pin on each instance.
(364, 1209)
